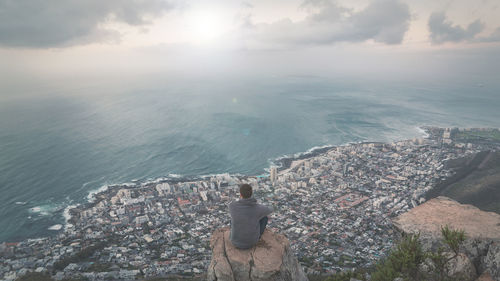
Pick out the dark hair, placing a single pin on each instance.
(246, 191)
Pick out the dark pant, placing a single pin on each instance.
(263, 223)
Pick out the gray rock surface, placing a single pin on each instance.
(485, 277)
(461, 268)
(492, 261)
(477, 249)
(270, 260)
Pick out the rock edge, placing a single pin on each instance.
(271, 259)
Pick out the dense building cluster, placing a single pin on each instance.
(335, 208)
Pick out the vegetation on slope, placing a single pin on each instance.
(408, 258)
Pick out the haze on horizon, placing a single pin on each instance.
(44, 40)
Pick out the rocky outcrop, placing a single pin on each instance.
(430, 216)
(482, 229)
(461, 268)
(485, 277)
(492, 261)
(270, 260)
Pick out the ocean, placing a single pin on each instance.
(60, 142)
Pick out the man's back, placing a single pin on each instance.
(245, 226)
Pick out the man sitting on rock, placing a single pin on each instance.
(248, 219)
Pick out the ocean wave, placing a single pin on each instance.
(55, 227)
(275, 161)
(310, 150)
(92, 193)
(35, 210)
(422, 132)
(84, 185)
(46, 210)
(66, 213)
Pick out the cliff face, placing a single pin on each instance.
(430, 216)
(476, 181)
(482, 229)
(270, 260)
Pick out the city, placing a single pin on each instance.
(334, 207)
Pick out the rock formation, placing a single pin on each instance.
(430, 216)
(482, 229)
(461, 268)
(485, 277)
(492, 261)
(270, 260)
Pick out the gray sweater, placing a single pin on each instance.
(245, 226)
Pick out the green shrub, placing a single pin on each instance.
(404, 260)
(453, 238)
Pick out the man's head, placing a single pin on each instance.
(245, 191)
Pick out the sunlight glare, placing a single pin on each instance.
(205, 26)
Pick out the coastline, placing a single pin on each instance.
(283, 163)
(330, 194)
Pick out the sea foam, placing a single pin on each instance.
(55, 227)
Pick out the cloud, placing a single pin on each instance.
(59, 23)
(494, 37)
(384, 21)
(442, 30)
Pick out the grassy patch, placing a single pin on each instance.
(477, 135)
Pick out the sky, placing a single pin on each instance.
(79, 38)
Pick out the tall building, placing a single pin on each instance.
(447, 133)
(274, 175)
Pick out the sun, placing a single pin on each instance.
(205, 26)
